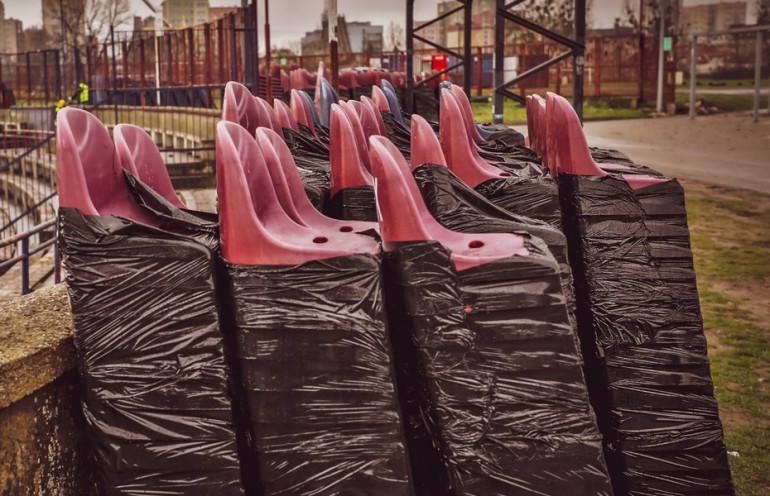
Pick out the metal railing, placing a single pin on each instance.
(26, 252)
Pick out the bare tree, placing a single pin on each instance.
(395, 36)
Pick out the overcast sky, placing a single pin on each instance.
(289, 19)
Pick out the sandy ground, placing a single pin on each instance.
(729, 149)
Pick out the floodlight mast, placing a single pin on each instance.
(160, 23)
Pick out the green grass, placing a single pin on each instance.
(515, 113)
(731, 243)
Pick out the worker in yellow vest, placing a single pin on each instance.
(59, 105)
(83, 94)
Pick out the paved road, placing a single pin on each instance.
(728, 149)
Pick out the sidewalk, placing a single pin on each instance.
(724, 149)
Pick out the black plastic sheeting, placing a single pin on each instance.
(151, 352)
(459, 208)
(357, 203)
(500, 136)
(641, 328)
(315, 358)
(490, 379)
(398, 134)
(526, 191)
(312, 159)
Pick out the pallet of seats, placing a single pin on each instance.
(639, 320)
(152, 346)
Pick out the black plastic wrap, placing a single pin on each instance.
(501, 136)
(398, 134)
(641, 328)
(527, 191)
(315, 358)
(312, 160)
(490, 379)
(602, 155)
(459, 208)
(151, 352)
(357, 203)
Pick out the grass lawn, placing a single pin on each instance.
(731, 243)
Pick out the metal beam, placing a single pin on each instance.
(464, 58)
(575, 49)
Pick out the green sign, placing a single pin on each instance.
(284, 61)
(668, 43)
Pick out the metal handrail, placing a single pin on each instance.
(26, 252)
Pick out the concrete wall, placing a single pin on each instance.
(42, 442)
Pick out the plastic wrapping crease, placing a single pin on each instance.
(315, 358)
(641, 328)
(151, 351)
(490, 379)
(527, 191)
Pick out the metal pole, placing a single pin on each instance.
(693, 74)
(467, 55)
(757, 75)
(661, 56)
(409, 103)
(497, 113)
(331, 16)
(479, 71)
(63, 48)
(25, 266)
(268, 61)
(641, 50)
(578, 65)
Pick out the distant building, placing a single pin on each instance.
(219, 12)
(184, 13)
(143, 25)
(364, 37)
(12, 36)
(435, 33)
(11, 33)
(352, 37)
(52, 19)
(713, 17)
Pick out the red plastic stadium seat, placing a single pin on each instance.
(254, 228)
(285, 117)
(461, 153)
(368, 121)
(425, 148)
(240, 107)
(358, 131)
(465, 106)
(300, 111)
(379, 99)
(376, 114)
(90, 176)
(290, 192)
(347, 168)
(139, 155)
(267, 116)
(404, 216)
(568, 147)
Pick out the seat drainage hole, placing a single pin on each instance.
(475, 244)
(320, 239)
(346, 229)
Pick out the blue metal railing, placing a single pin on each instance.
(23, 239)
